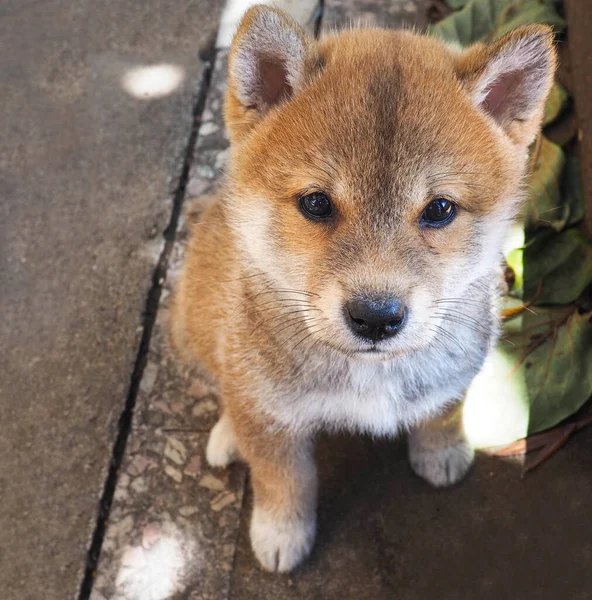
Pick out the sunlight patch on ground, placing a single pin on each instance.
(153, 81)
(155, 569)
(496, 409)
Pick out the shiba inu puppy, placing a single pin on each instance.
(346, 277)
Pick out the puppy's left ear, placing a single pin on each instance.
(510, 79)
(271, 59)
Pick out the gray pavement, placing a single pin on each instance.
(88, 176)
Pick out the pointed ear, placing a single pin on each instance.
(510, 79)
(271, 59)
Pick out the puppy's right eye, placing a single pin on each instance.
(316, 205)
(438, 212)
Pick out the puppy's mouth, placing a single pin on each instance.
(379, 353)
(371, 353)
(375, 351)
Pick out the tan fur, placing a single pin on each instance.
(382, 122)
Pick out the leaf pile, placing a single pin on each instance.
(542, 371)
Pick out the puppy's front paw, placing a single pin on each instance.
(221, 449)
(443, 466)
(281, 544)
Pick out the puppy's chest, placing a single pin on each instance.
(375, 398)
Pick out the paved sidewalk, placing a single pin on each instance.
(89, 165)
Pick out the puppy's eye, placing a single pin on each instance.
(438, 212)
(316, 205)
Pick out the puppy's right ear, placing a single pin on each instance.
(271, 59)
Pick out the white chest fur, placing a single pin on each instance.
(378, 398)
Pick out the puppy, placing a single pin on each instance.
(346, 278)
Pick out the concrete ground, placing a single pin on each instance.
(88, 177)
(92, 174)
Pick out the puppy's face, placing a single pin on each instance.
(377, 172)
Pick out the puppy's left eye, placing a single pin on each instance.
(316, 205)
(438, 212)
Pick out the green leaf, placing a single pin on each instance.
(534, 384)
(486, 20)
(556, 102)
(554, 198)
(558, 373)
(544, 207)
(563, 262)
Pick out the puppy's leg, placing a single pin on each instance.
(283, 475)
(222, 449)
(438, 450)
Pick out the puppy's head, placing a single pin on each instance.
(378, 171)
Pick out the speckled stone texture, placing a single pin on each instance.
(172, 529)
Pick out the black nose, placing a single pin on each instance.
(375, 318)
